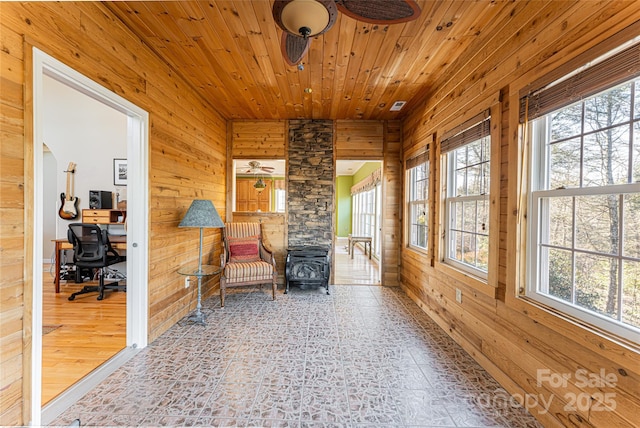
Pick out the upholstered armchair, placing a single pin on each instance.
(245, 260)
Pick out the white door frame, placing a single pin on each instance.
(137, 230)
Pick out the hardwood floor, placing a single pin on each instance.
(357, 271)
(90, 333)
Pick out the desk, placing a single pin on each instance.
(99, 216)
(366, 240)
(117, 242)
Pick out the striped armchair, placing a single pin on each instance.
(246, 261)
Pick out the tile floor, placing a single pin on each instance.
(365, 356)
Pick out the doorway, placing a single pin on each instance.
(358, 215)
(136, 135)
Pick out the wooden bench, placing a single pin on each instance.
(366, 240)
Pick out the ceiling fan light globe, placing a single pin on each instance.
(309, 15)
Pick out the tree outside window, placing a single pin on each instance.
(467, 206)
(586, 207)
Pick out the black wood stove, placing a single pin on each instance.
(307, 267)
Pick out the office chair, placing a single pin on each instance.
(92, 250)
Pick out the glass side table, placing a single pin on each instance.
(204, 271)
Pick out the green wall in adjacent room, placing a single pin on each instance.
(365, 170)
(343, 207)
(343, 190)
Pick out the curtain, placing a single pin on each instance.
(368, 183)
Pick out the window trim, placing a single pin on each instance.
(410, 165)
(490, 286)
(536, 194)
(469, 132)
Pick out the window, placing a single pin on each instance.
(366, 215)
(364, 218)
(418, 208)
(280, 200)
(585, 205)
(366, 205)
(377, 241)
(468, 157)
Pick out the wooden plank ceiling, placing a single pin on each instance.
(229, 51)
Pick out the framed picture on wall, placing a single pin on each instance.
(120, 172)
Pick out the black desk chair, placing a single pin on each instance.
(92, 250)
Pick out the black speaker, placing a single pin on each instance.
(100, 200)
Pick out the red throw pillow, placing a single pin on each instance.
(242, 250)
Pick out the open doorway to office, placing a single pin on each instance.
(358, 226)
(49, 76)
(82, 135)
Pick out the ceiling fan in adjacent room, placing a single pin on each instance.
(255, 167)
(303, 19)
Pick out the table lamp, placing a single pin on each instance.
(201, 214)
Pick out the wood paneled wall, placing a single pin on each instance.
(258, 139)
(511, 338)
(355, 140)
(187, 156)
(392, 203)
(360, 139)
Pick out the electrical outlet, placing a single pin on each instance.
(187, 281)
(458, 295)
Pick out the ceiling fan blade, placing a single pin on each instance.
(294, 48)
(380, 11)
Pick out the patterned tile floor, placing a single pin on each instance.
(365, 356)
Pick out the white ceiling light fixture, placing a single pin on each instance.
(397, 106)
(307, 18)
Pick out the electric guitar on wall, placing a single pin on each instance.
(69, 204)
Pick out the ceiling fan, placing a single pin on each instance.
(256, 167)
(303, 19)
